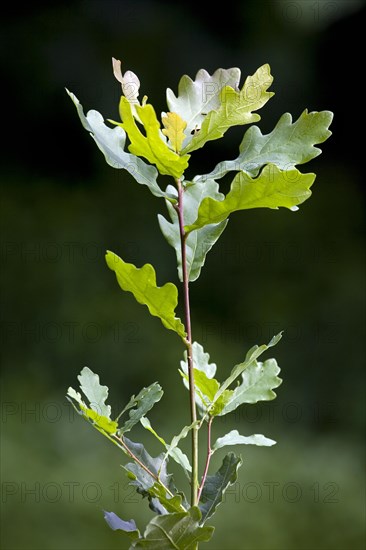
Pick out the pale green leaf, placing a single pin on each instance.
(216, 485)
(177, 531)
(201, 363)
(258, 382)
(198, 97)
(97, 394)
(160, 301)
(140, 405)
(234, 438)
(177, 438)
(200, 242)
(288, 145)
(271, 189)
(174, 451)
(151, 146)
(236, 108)
(97, 412)
(111, 142)
(174, 128)
(250, 358)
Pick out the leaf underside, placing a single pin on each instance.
(216, 485)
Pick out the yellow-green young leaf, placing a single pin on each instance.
(141, 282)
(207, 389)
(271, 189)
(152, 146)
(102, 422)
(174, 127)
(236, 108)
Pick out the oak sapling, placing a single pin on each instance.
(265, 175)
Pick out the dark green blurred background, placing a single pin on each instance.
(62, 206)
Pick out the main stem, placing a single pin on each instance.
(187, 310)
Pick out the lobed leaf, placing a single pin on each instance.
(175, 452)
(271, 189)
(200, 242)
(97, 394)
(216, 485)
(97, 412)
(289, 144)
(201, 363)
(154, 488)
(152, 146)
(196, 98)
(258, 381)
(251, 356)
(234, 438)
(141, 282)
(174, 127)
(111, 142)
(140, 405)
(179, 531)
(236, 108)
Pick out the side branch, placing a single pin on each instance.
(208, 458)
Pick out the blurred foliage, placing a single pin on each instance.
(61, 308)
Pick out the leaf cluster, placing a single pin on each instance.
(265, 175)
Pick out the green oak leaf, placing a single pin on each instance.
(178, 531)
(97, 394)
(216, 485)
(141, 282)
(251, 356)
(196, 98)
(140, 405)
(111, 142)
(289, 144)
(97, 412)
(147, 485)
(234, 438)
(258, 381)
(201, 363)
(200, 242)
(173, 445)
(236, 108)
(153, 146)
(271, 189)
(175, 452)
(207, 389)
